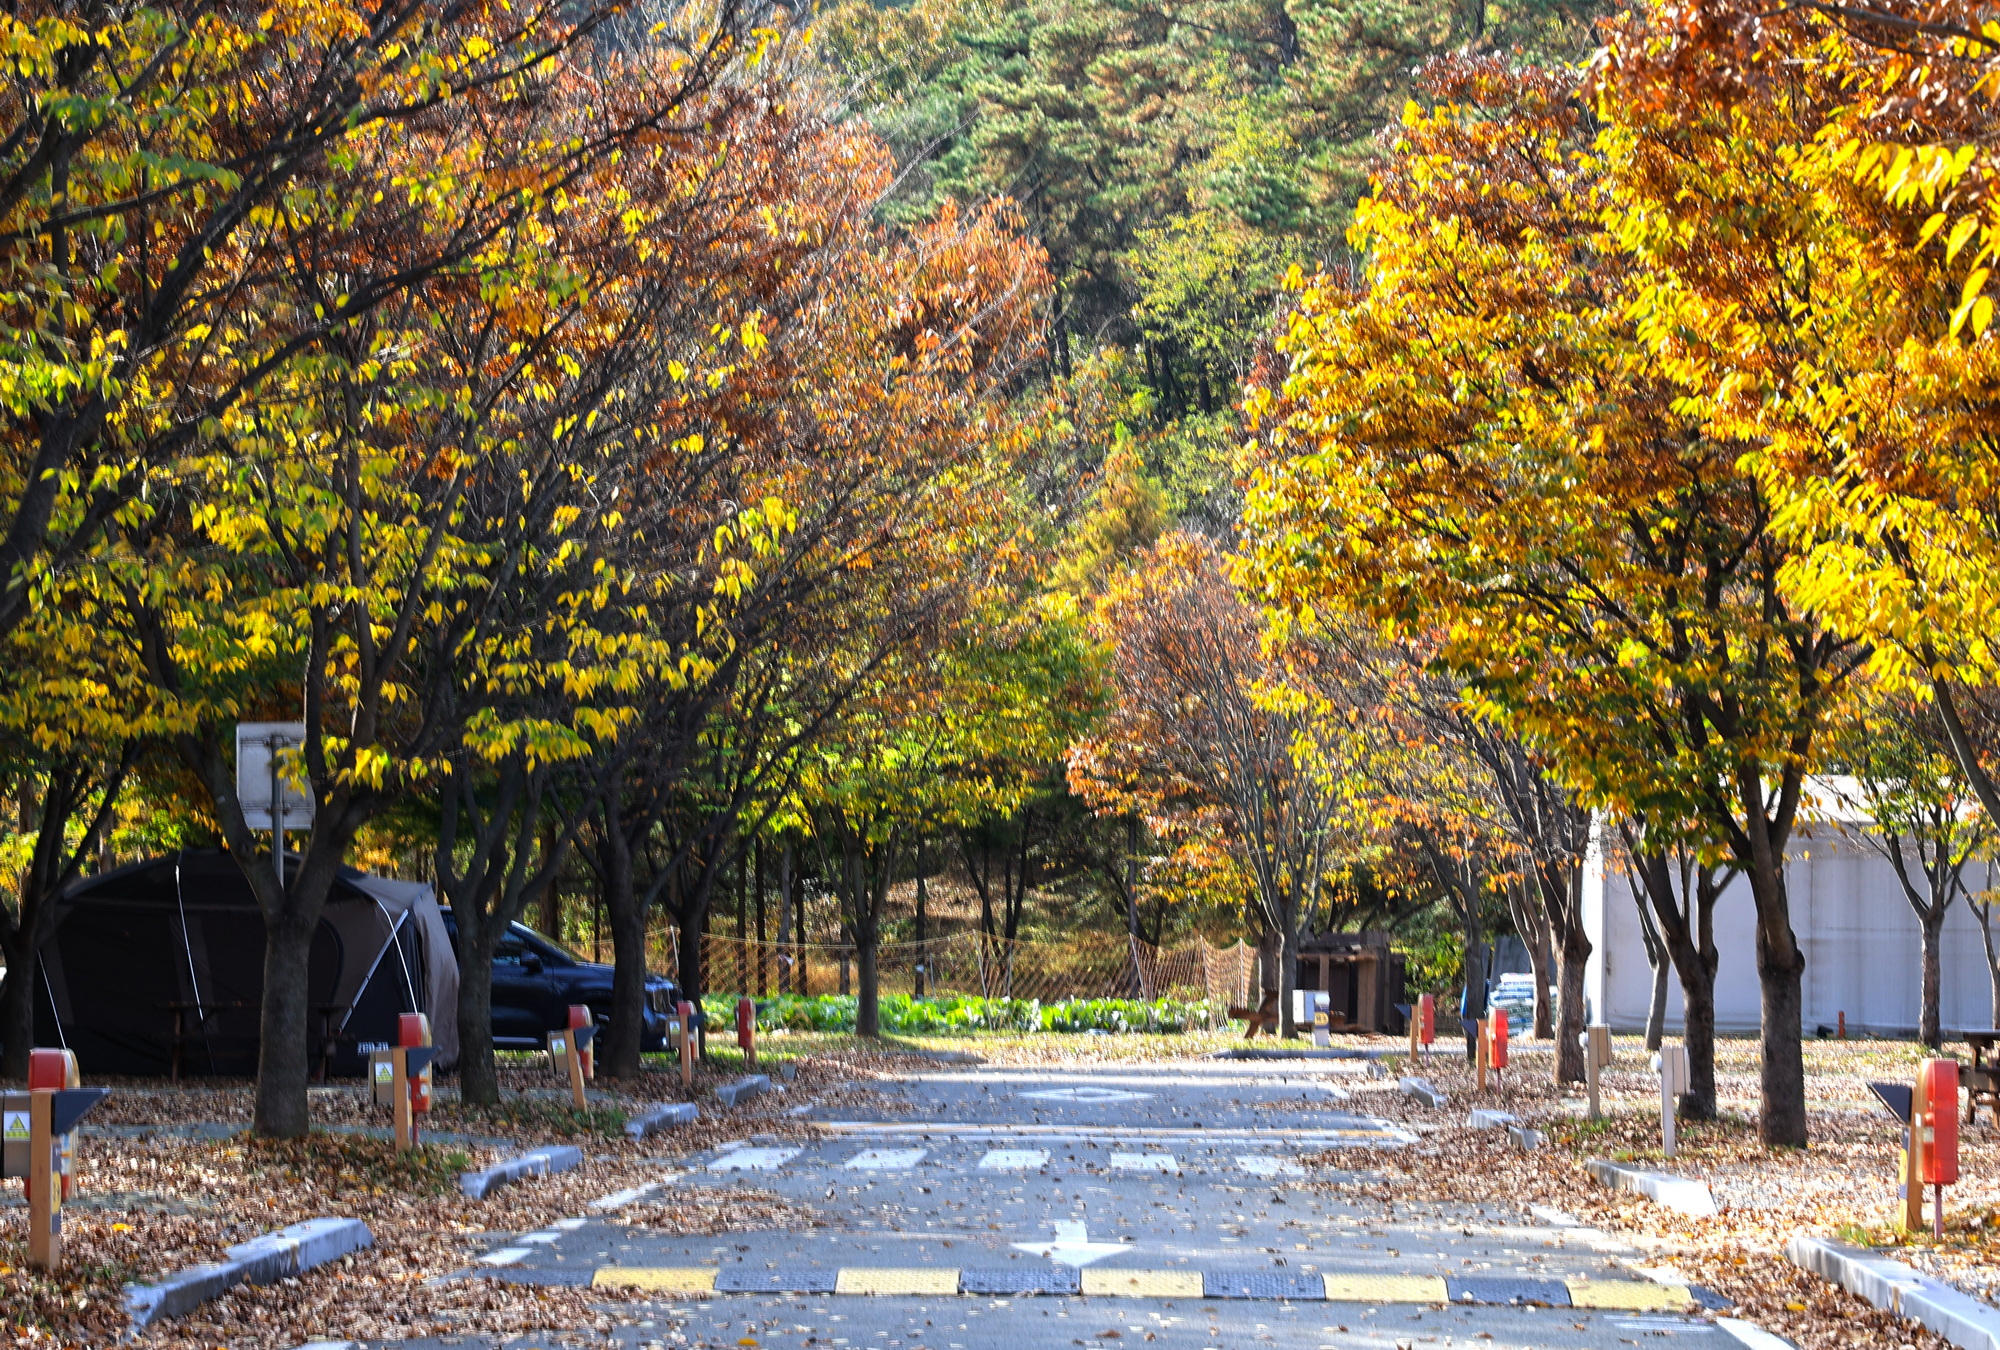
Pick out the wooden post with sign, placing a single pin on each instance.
(35, 1128)
(399, 1098)
(1672, 1066)
(1911, 1218)
(686, 1022)
(566, 1057)
(1596, 1042)
(579, 1018)
(746, 1030)
(44, 1185)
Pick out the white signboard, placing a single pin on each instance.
(254, 743)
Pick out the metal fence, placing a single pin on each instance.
(1094, 965)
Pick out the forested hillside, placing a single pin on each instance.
(1174, 159)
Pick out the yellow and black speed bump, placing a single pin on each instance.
(1120, 1282)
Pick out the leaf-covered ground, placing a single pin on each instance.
(1842, 1186)
(161, 1193)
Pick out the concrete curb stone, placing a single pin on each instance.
(1423, 1090)
(262, 1260)
(1890, 1285)
(1752, 1335)
(655, 1118)
(1672, 1192)
(742, 1090)
(550, 1158)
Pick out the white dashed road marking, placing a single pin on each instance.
(1088, 1094)
(886, 1158)
(1145, 1162)
(506, 1256)
(753, 1160)
(1270, 1167)
(1009, 1159)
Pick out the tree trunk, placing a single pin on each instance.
(1782, 1083)
(1574, 957)
(763, 976)
(1540, 961)
(478, 1078)
(625, 1040)
(868, 1002)
(1660, 960)
(690, 972)
(1686, 927)
(1472, 1002)
(1656, 1011)
(281, 1047)
(1132, 903)
(788, 958)
(1288, 970)
(923, 896)
(1698, 1038)
(1928, 1029)
(17, 1004)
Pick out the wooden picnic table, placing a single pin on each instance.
(1982, 1079)
(204, 1011)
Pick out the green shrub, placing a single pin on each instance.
(946, 1014)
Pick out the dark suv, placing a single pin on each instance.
(535, 982)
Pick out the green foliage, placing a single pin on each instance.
(1434, 960)
(954, 1013)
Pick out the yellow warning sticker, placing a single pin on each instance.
(16, 1126)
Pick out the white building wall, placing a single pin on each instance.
(1858, 932)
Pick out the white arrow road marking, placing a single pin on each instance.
(1072, 1246)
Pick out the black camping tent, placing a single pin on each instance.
(163, 961)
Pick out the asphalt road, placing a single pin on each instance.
(1163, 1207)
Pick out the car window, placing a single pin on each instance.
(511, 949)
(552, 953)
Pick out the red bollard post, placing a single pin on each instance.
(48, 1071)
(1940, 1133)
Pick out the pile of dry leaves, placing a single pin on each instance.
(166, 1185)
(1842, 1186)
